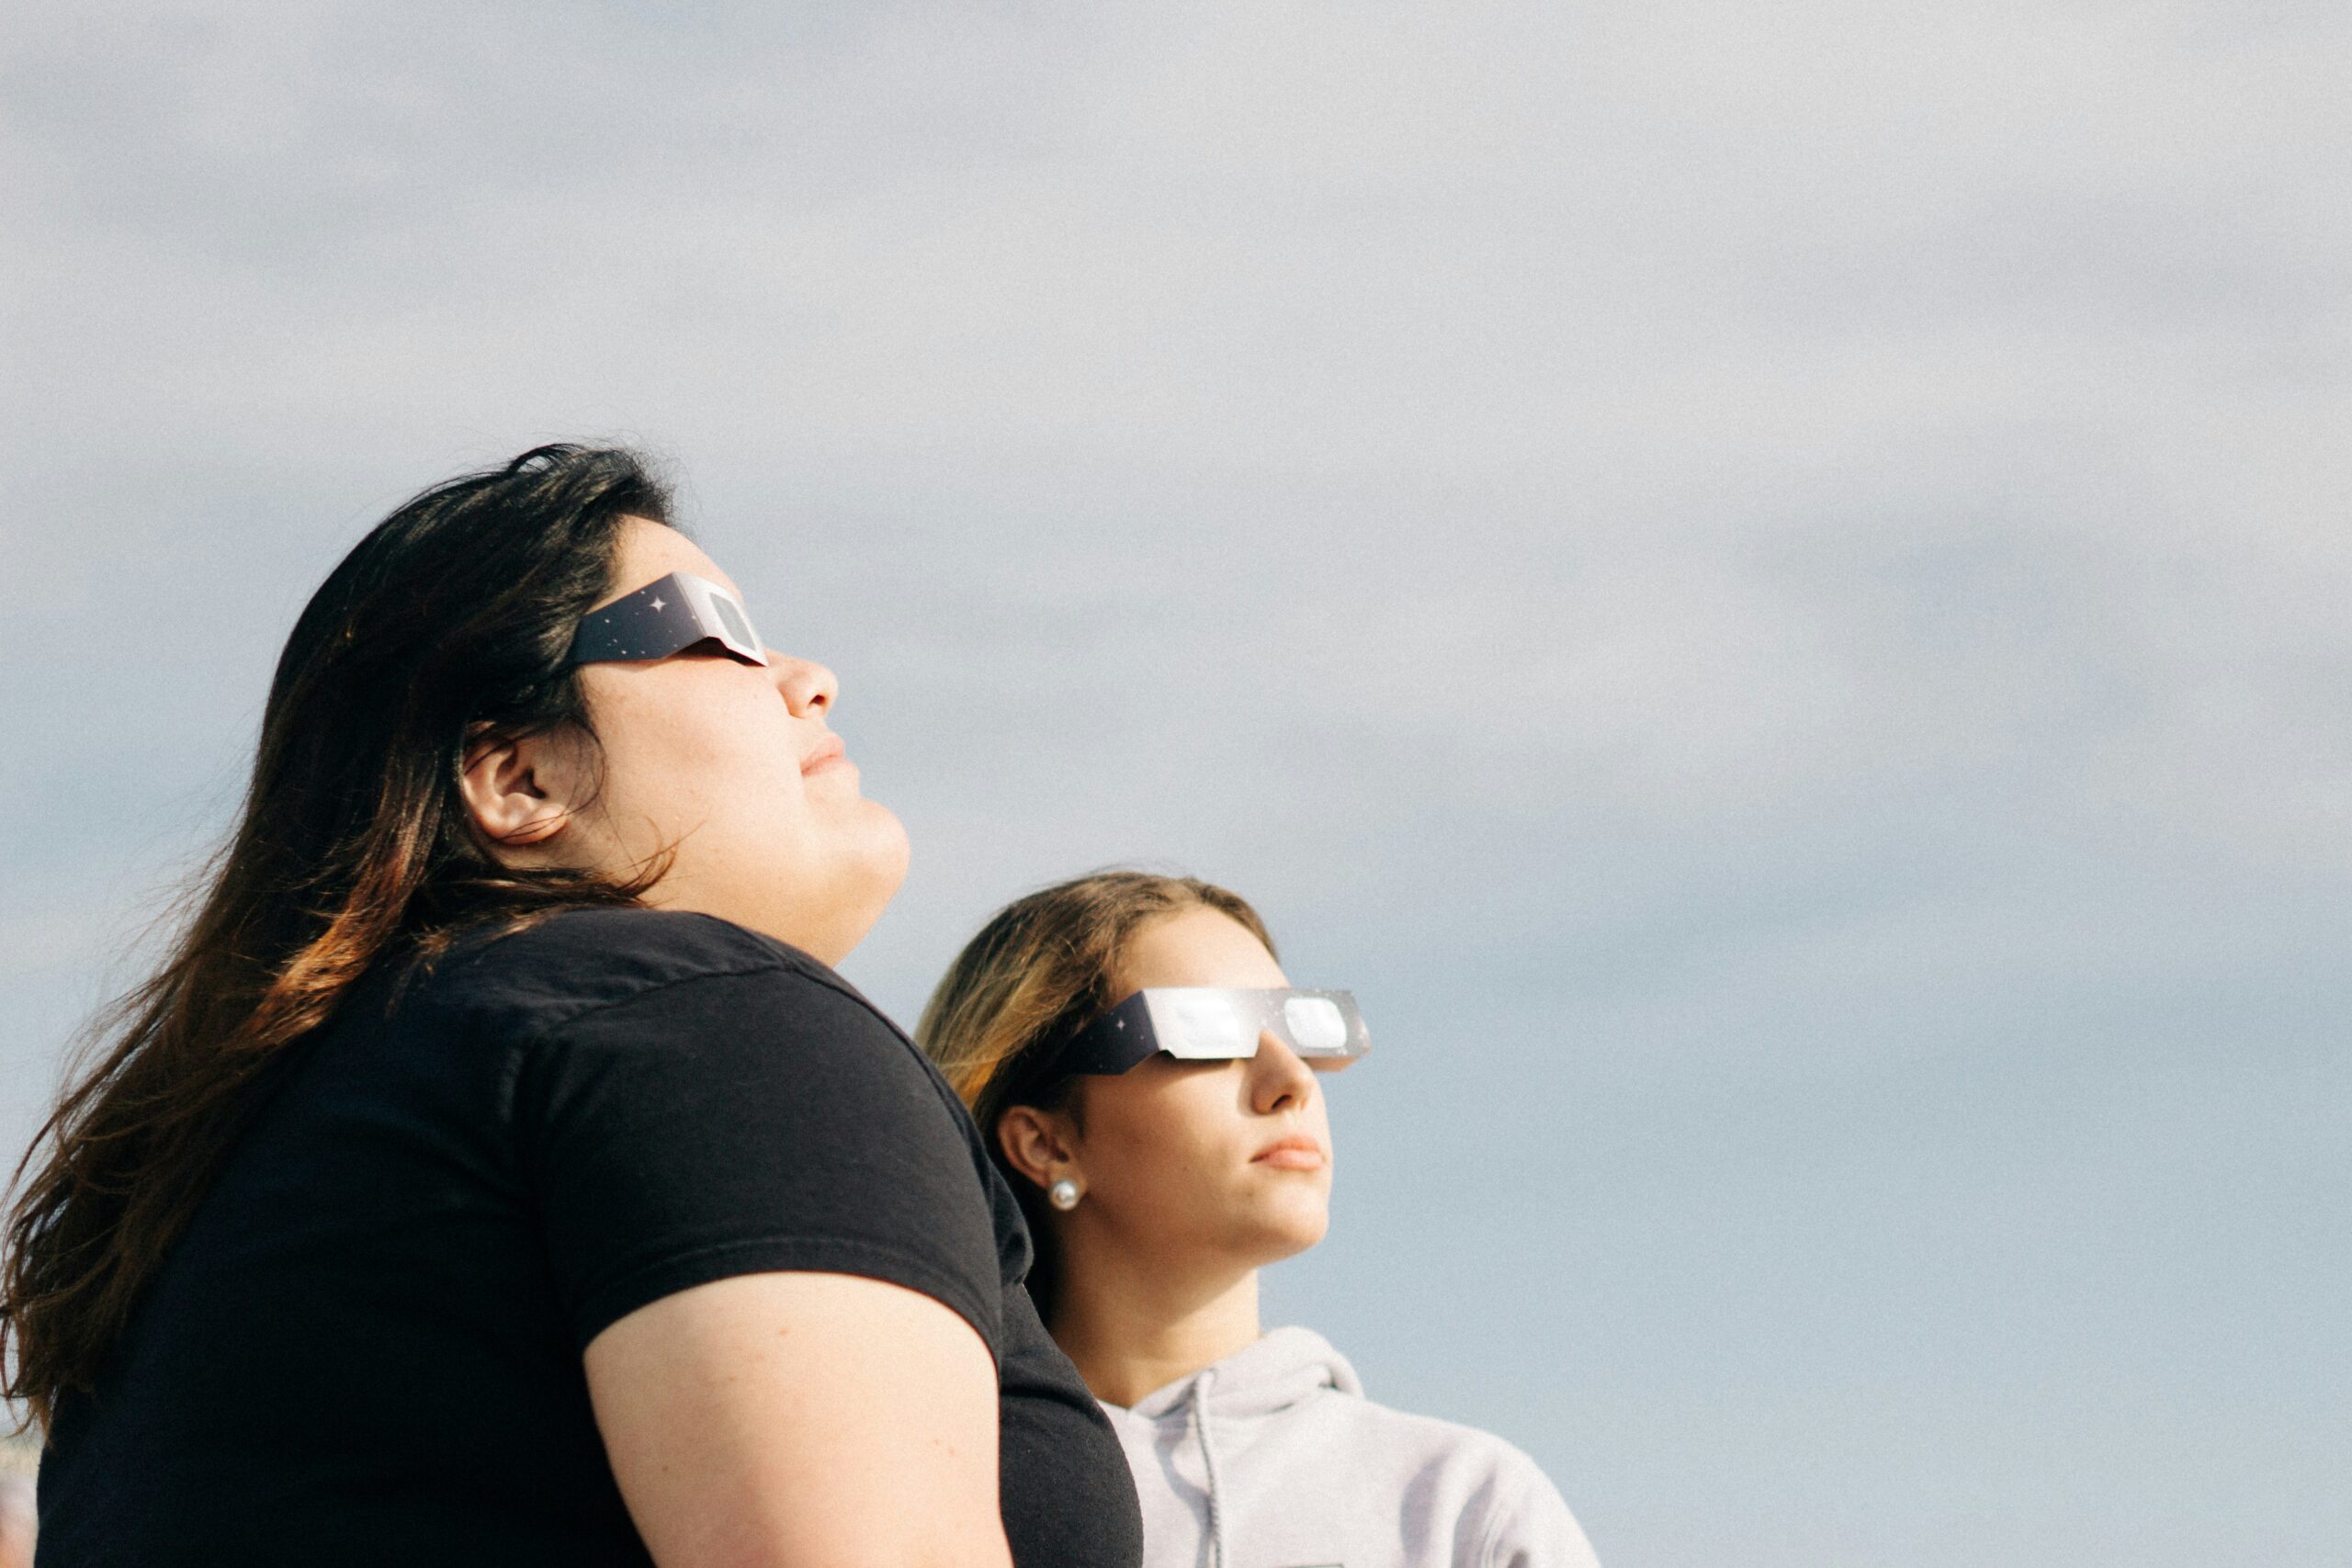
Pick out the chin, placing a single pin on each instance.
(890, 851)
(1281, 1236)
(871, 873)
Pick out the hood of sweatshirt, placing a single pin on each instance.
(1275, 1374)
(1273, 1458)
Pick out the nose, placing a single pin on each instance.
(808, 688)
(1279, 1080)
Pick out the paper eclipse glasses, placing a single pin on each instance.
(1212, 1023)
(666, 617)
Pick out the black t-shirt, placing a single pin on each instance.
(365, 1347)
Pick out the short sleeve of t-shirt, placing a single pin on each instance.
(729, 1123)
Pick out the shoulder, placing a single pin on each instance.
(1509, 1505)
(536, 981)
(1428, 1441)
(686, 1101)
(663, 992)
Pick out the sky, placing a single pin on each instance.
(1766, 584)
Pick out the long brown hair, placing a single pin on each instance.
(1040, 970)
(455, 614)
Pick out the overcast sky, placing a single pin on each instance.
(1767, 583)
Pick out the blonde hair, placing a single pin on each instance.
(1038, 972)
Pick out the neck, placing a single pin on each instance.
(1141, 1325)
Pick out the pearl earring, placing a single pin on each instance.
(1063, 1194)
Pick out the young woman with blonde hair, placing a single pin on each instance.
(1145, 1076)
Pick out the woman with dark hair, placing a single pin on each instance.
(1145, 1076)
(497, 1172)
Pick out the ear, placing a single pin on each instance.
(520, 791)
(1039, 1144)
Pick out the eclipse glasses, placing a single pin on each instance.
(1214, 1023)
(666, 617)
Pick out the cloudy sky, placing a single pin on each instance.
(1767, 583)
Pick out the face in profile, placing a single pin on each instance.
(1214, 1161)
(728, 768)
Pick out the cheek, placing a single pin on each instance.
(1164, 1141)
(1143, 1162)
(693, 753)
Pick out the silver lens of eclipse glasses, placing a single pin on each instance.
(1208, 1024)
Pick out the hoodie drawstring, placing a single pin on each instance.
(1200, 1386)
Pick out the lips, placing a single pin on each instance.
(829, 749)
(1298, 1152)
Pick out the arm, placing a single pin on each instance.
(766, 1223)
(802, 1420)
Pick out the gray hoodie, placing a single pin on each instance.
(1274, 1458)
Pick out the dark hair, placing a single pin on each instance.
(1040, 970)
(456, 614)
